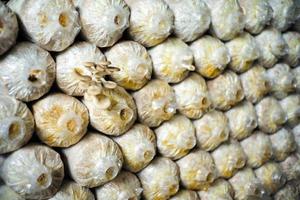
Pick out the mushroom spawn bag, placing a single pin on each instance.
(291, 167)
(293, 41)
(291, 106)
(185, 195)
(220, 189)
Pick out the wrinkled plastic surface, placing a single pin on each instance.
(288, 192)
(28, 71)
(61, 120)
(211, 130)
(221, 189)
(160, 179)
(211, 56)
(291, 167)
(172, 60)
(37, 172)
(296, 133)
(138, 146)
(176, 137)
(292, 39)
(185, 195)
(192, 97)
(16, 124)
(296, 73)
(7, 193)
(197, 170)
(291, 106)
(93, 161)
(155, 103)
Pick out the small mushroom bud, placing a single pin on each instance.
(243, 51)
(151, 22)
(192, 96)
(112, 111)
(272, 47)
(192, 18)
(172, 60)
(288, 192)
(185, 195)
(271, 177)
(138, 146)
(281, 80)
(197, 170)
(229, 158)
(160, 179)
(255, 83)
(283, 143)
(61, 120)
(211, 56)
(155, 103)
(226, 90)
(270, 115)
(293, 41)
(211, 130)
(242, 120)
(16, 124)
(247, 186)
(94, 160)
(8, 28)
(220, 189)
(125, 186)
(103, 22)
(296, 73)
(133, 63)
(291, 167)
(258, 149)
(176, 137)
(291, 106)
(53, 25)
(73, 191)
(37, 172)
(257, 14)
(27, 71)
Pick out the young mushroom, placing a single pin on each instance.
(16, 124)
(27, 71)
(53, 25)
(293, 42)
(220, 189)
(172, 60)
(94, 160)
(291, 106)
(37, 172)
(185, 195)
(61, 120)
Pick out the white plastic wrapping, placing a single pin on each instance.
(151, 22)
(283, 13)
(73, 191)
(296, 73)
(226, 17)
(138, 146)
(103, 21)
(93, 161)
(211, 56)
(296, 133)
(291, 167)
(73, 74)
(283, 143)
(133, 62)
(247, 186)
(229, 158)
(258, 149)
(270, 115)
(211, 130)
(242, 120)
(34, 172)
(288, 192)
(8, 28)
(192, 97)
(27, 71)
(197, 170)
(257, 13)
(221, 189)
(271, 177)
(7, 193)
(255, 83)
(281, 80)
(243, 51)
(53, 25)
(292, 39)
(112, 110)
(16, 124)
(172, 60)
(61, 120)
(125, 186)
(226, 90)
(192, 18)
(291, 106)
(160, 179)
(185, 195)
(176, 137)
(272, 47)
(155, 103)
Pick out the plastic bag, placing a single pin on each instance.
(185, 195)
(291, 167)
(292, 39)
(221, 189)
(291, 106)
